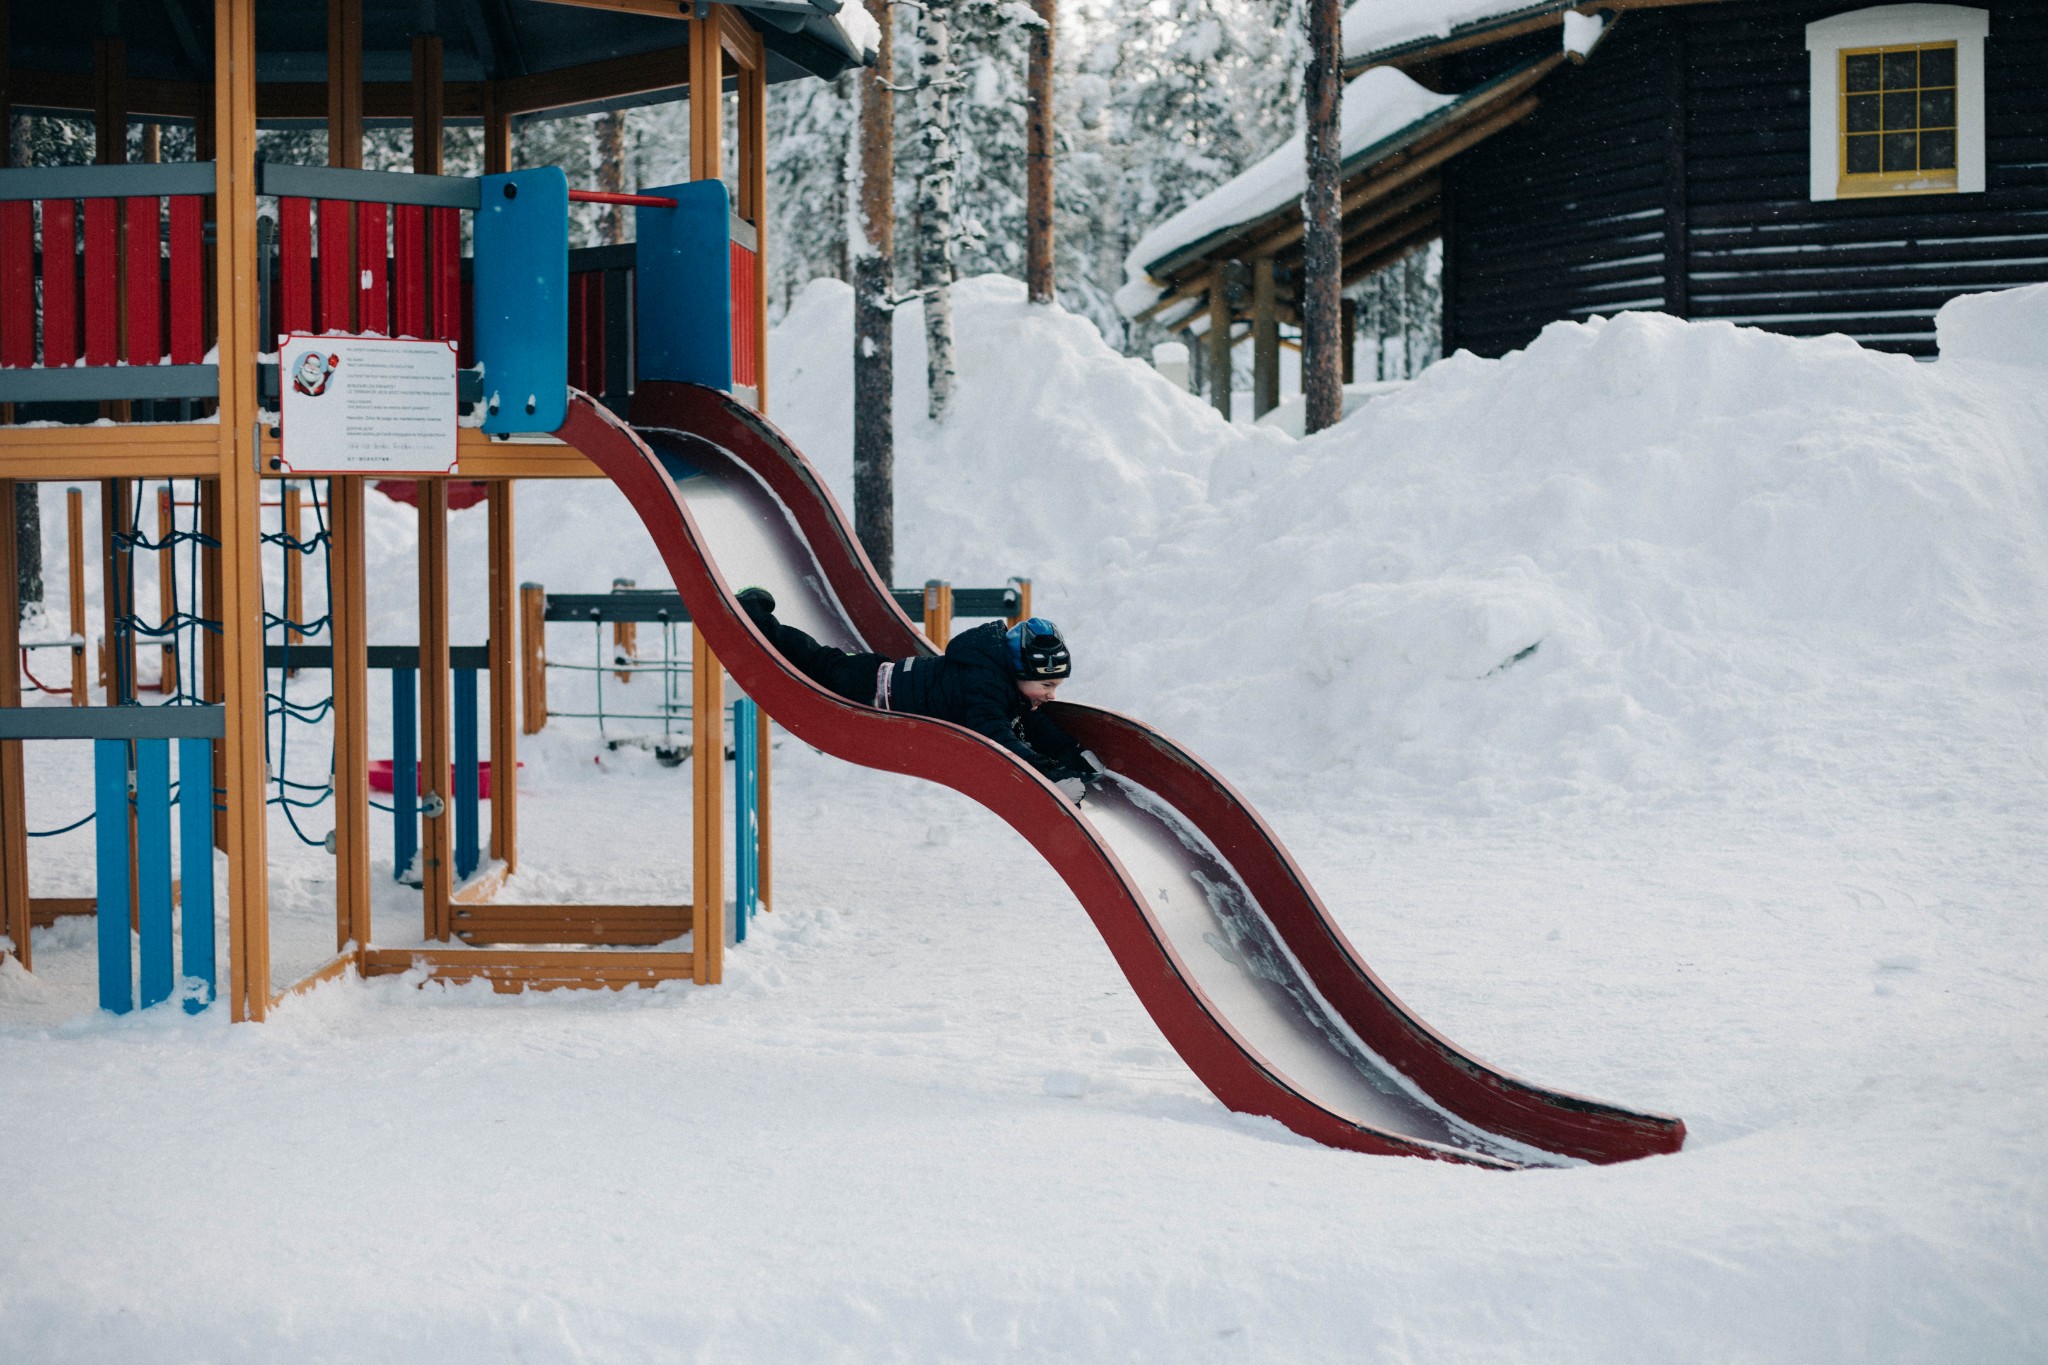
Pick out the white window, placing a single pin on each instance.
(1898, 101)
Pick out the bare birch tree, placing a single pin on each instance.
(937, 79)
(871, 235)
(1322, 380)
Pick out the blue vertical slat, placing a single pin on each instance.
(521, 276)
(746, 787)
(465, 773)
(110, 837)
(195, 866)
(153, 867)
(682, 262)
(405, 770)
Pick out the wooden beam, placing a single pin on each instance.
(382, 101)
(15, 911)
(513, 969)
(707, 100)
(332, 970)
(44, 911)
(504, 678)
(428, 111)
(110, 101)
(348, 605)
(644, 73)
(497, 131)
(437, 851)
(344, 84)
(622, 926)
(707, 813)
(654, 9)
(74, 90)
(142, 450)
(234, 30)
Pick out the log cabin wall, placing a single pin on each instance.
(1671, 172)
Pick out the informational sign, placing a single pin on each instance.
(367, 405)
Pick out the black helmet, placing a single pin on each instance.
(1037, 652)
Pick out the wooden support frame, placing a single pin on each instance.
(437, 835)
(513, 969)
(345, 83)
(533, 660)
(1218, 341)
(348, 596)
(504, 686)
(1265, 339)
(707, 791)
(241, 587)
(74, 538)
(15, 910)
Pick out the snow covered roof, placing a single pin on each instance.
(1385, 112)
(1382, 30)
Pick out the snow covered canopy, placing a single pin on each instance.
(1395, 134)
(1403, 31)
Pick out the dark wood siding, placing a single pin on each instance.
(1546, 211)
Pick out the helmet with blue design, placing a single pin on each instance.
(1037, 651)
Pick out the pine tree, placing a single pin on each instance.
(937, 78)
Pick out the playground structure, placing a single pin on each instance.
(1213, 925)
(137, 305)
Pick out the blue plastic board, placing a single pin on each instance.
(682, 268)
(110, 839)
(195, 867)
(405, 770)
(522, 299)
(746, 814)
(466, 784)
(153, 867)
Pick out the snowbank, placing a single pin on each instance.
(1642, 560)
(2010, 327)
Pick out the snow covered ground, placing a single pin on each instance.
(1753, 836)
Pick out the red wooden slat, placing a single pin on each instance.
(18, 283)
(373, 303)
(188, 281)
(102, 281)
(409, 270)
(295, 267)
(743, 317)
(447, 228)
(337, 266)
(60, 282)
(144, 283)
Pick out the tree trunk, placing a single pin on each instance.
(1038, 157)
(1322, 244)
(28, 543)
(611, 174)
(936, 78)
(872, 239)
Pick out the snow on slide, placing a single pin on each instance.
(1213, 924)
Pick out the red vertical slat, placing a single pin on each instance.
(102, 281)
(18, 283)
(743, 317)
(447, 229)
(143, 343)
(409, 270)
(337, 266)
(188, 281)
(60, 282)
(373, 306)
(294, 267)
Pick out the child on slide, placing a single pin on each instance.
(991, 679)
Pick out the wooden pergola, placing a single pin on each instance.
(224, 67)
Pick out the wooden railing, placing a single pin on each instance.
(126, 296)
(744, 330)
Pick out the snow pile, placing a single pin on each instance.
(1373, 25)
(1644, 560)
(1377, 105)
(2010, 328)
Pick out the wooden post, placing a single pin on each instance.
(753, 125)
(1219, 341)
(117, 588)
(167, 584)
(345, 84)
(437, 837)
(110, 101)
(1023, 612)
(533, 656)
(14, 903)
(1038, 154)
(213, 657)
(74, 535)
(348, 596)
(497, 131)
(241, 585)
(1265, 339)
(291, 520)
(427, 97)
(625, 635)
(504, 630)
(938, 612)
(707, 97)
(707, 792)
(1347, 339)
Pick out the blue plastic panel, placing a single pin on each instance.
(683, 282)
(153, 867)
(195, 867)
(110, 840)
(405, 770)
(746, 814)
(522, 299)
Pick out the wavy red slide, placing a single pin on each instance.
(1218, 932)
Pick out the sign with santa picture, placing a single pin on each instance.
(367, 405)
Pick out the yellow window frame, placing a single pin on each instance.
(1872, 183)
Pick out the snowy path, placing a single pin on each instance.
(926, 1120)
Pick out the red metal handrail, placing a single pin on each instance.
(651, 201)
